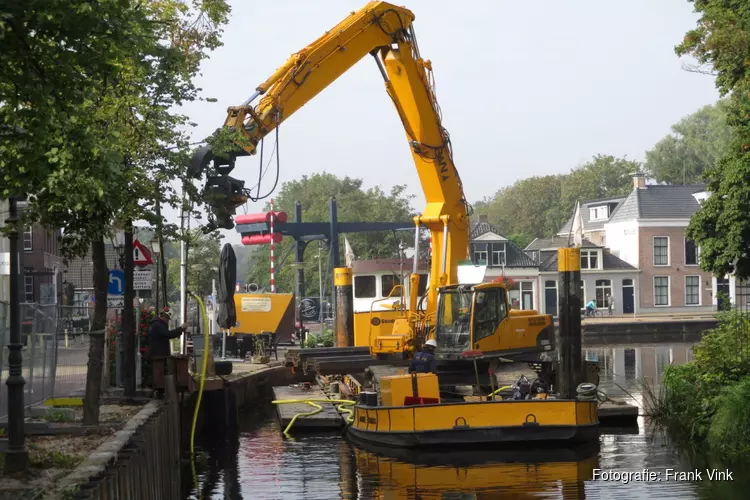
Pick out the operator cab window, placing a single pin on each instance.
(364, 287)
(388, 282)
(489, 311)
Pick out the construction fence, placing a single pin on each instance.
(55, 351)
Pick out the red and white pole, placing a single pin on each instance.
(273, 270)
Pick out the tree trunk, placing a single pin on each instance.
(96, 346)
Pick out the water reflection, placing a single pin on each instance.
(521, 473)
(259, 464)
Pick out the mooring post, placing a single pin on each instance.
(569, 364)
(342, 281)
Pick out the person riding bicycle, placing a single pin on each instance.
(590, 308)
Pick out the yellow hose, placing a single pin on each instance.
(342, 407)
(503, 388)
(206, 347)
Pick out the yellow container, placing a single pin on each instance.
(396, 388)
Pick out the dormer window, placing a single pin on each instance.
(591, 259)
(701, 196)
(599, 213)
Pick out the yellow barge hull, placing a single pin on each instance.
(476, 423)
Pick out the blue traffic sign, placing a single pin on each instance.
(116, 282)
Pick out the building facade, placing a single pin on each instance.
(504, 258)
(646, 230)
(604, 276)
(42, 264)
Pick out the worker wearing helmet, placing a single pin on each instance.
(424, 361)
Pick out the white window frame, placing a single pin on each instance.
(587, 254)
(479, 260)
(30, 233)
(697, 251)
(669, 291)
(603, 287)
(700, 298)
(503, 260)
(28, 281)
(595, 213)
(653, 252)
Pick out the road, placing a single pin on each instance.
(42, 380)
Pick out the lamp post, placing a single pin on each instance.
(124, 241)
(16, 455)
(320, 280)
(156, 249)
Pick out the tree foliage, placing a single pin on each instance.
(354, 204)
(88, 93)
(722, 225)
(538, 206)
(89, 131)
(693, 147)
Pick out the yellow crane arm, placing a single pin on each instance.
(386, 32)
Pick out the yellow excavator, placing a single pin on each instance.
(463, 317)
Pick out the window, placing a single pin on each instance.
(692, 290)
(489, 311)
(480, 257)
(28, 288)
(692, 253)
(603, 289)
(589, 259)
(599, 213)
(661, 290)
(498, 254)
(661, 251)
(387, 282)
(364, 287)
(28, 240)
(583, 292)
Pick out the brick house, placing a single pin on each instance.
(505, 258)
(41, 263)
(646, 229)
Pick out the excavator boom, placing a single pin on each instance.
(386, 32)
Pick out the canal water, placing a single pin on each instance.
(257, 463)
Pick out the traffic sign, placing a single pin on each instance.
(115, 301)
(116, 282)
(142, 280)
(141, 254)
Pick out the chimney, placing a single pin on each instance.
(639, 180)
(483, 218)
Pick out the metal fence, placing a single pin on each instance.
(55, 351)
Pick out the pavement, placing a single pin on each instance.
(649, 318)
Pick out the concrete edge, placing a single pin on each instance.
(98, 460)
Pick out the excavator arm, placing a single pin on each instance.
(386, 32)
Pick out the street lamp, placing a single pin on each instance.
(118, 243)
(156, 249)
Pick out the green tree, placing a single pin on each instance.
(538, 206)
(694, 145)
(90, 135)
(204, 255)
(722, 225)
(354, 204)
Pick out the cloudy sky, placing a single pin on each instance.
(526, 88)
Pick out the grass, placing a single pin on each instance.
(43, 458)
(55, 416)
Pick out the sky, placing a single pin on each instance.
(526, 88)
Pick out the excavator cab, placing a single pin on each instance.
(478, 317)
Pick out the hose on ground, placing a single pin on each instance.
(342, 407)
